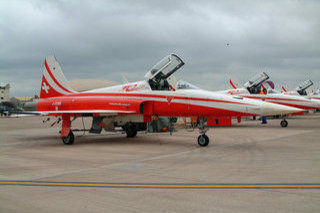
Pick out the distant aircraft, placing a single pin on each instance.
(254, 89)
(130, 106)
(299, 90)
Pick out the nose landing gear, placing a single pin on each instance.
(203, 139)
(284, 123)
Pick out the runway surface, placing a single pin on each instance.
(246, 168)
(161, 186)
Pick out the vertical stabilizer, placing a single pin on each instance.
(54, 83)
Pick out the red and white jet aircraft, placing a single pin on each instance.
(132, 105)
(251, 90)
(302, 91)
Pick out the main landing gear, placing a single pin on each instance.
(203, 139)
(130, 129)
(69, 139)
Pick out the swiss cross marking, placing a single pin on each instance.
(45, 87)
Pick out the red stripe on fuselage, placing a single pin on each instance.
(161, 108)
(137, 95)
(279, 99)
(53, 78)
(276, 101)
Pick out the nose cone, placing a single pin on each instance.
(277, 109)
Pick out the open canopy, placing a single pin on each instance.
(159, 74)
(256, 80)
(253, 84)
(301, 89)
(166, 67)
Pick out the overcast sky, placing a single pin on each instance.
(104, 39)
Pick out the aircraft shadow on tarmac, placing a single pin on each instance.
(107, 139)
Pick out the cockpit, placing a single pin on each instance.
(159, 74)
(253, 84)
(301, 89)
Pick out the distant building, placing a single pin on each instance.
(4, 93)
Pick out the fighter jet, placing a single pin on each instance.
(299, 90)
(130, 106)
(255, 89)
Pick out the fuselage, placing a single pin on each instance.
(301, 102)
(134, 97)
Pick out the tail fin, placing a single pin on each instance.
(54, 83)
(233, 84)
(285, 88)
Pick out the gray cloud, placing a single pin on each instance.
(104, 39)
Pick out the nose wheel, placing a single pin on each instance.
(284, 123)
(203, 139)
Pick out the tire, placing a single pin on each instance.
(203, 140)
(131, 130)
(131, 133)
(69, 139)
(284, 123)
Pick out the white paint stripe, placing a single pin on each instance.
(234, 107)
(52, 83)
(57, 73)
(308, 104)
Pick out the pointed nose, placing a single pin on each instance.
(277, 109)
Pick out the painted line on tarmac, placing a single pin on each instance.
(163, 185)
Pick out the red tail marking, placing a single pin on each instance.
(53, 78)
(284, 89)
(46, 90)
(234, 87)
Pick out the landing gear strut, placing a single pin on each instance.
(203, 139)
(131, 130)
(69, 139)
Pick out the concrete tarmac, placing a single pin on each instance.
(245, 154)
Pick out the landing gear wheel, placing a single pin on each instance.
(69, 139)
(203, 140)
(284, 123)
(131, 130)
